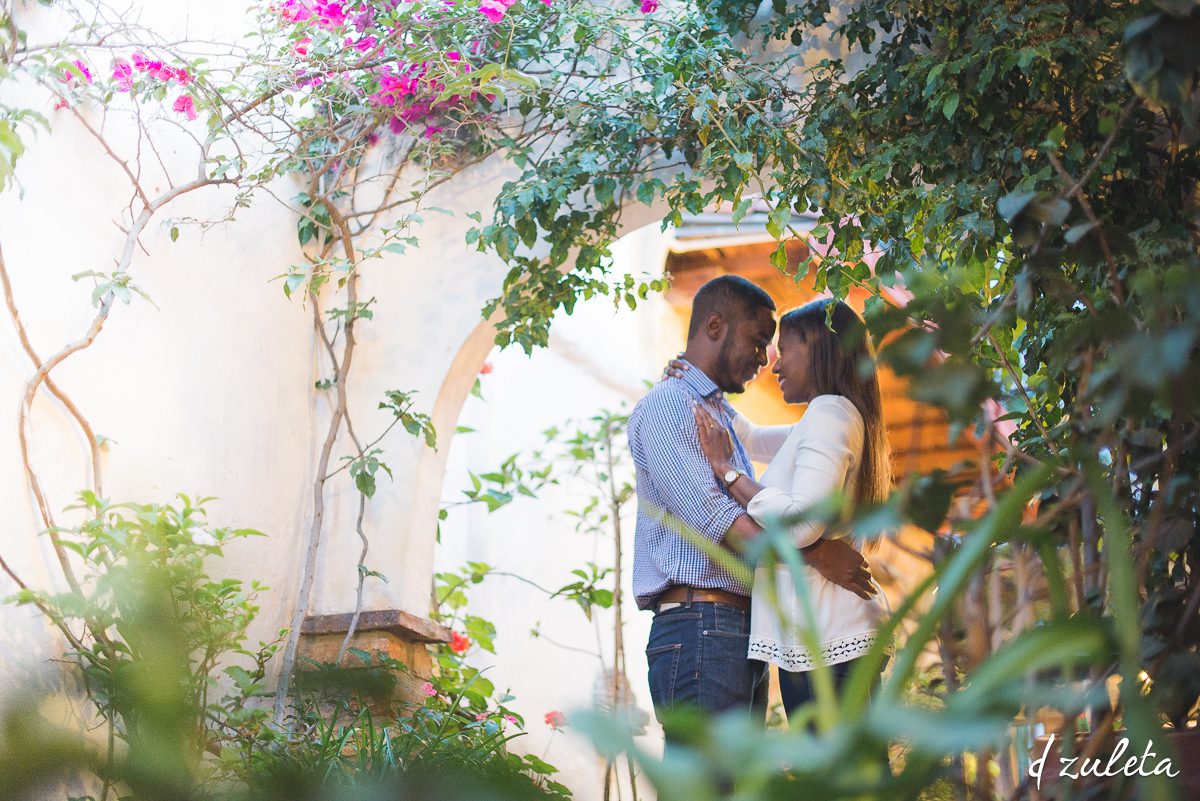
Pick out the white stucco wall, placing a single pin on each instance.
(211, 393)
(598, 359)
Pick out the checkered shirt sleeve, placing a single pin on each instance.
(676, 488)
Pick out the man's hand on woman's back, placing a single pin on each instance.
(838, 561)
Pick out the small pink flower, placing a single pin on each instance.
(60, 104)
(330, 13)
(487, 368)
(69, 75)
(510, 719)
(494, 10)
(433, 130)
(362, 45)
(429, 689)
(300, 48)
(482, 716)
(453, 55)
(122, 73)
(182, 76)
(548, 2)
(293, 11)
(186, 106)
(649, 6)
(556, 720)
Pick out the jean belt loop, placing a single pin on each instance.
(690, 591)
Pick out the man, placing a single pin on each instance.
(700, 633)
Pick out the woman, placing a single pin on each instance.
(839, 446)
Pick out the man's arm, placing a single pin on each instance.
(838, 561)
(668, 449)
(740, 533)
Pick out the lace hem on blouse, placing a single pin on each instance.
(798, 658)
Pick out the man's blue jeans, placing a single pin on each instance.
(697, 658)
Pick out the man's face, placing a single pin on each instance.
(744, 351)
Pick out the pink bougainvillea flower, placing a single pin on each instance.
(362, 20)
(494, 10)
(309, 79)
(397, 125)
(433, 130)
(294, 11)
(185, 105)
(69, 75)
(556, 720)
(459, 643)
(122, 73)
(548, 3)
(362, 45)
(155, 69)
(300, 48)
(182, 76)
(649, 6)
(330, 13)
(453, 55)
(429, 689)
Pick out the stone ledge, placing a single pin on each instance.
(405, 625)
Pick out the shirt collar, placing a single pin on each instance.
(698, 382)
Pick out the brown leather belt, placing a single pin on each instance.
(687, 595)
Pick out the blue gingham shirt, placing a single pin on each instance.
(676, 487)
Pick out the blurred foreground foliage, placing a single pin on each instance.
(179, 707)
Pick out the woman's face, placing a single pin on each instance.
(792, 368)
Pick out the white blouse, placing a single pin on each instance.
(808, 461)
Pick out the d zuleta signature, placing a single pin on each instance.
(1076, 768)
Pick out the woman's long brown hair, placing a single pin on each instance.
(843, 363)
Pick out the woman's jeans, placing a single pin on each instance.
(697, 658)
(797, 688)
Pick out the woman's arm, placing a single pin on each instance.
(836, 560)
(718, 449)
(761, 442)
(830, 444)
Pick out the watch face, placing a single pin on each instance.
(731, 476)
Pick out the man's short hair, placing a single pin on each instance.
(731, 296)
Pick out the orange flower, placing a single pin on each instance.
(459, 643)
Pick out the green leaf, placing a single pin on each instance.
(949, 106)
(742, 209)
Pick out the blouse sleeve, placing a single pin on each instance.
(829, 445)
(761, 442)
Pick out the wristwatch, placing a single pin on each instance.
(732, 476)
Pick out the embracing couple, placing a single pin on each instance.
(712, 638)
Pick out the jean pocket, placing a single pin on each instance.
(663, 664)
(729, 621)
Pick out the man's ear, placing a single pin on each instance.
(714, 326)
